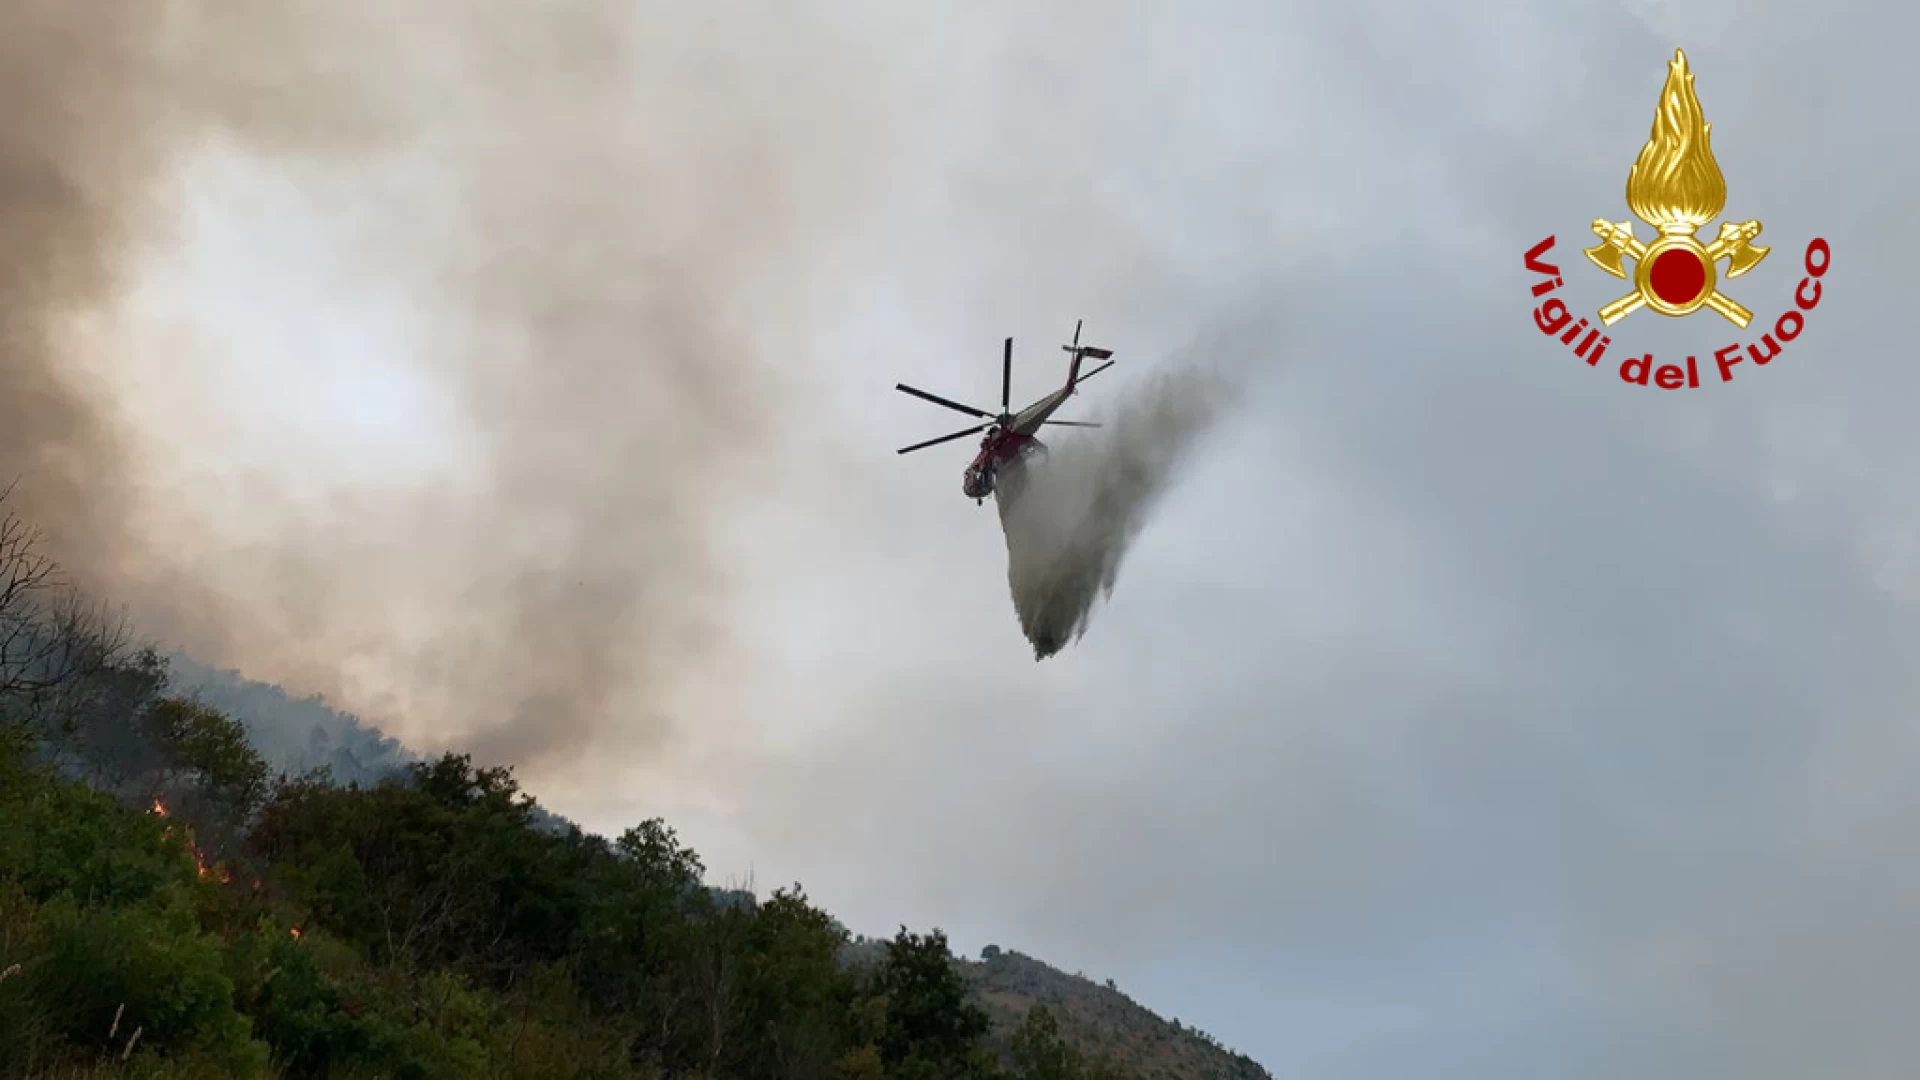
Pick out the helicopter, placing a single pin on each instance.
(1011, 436)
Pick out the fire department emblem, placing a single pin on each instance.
(1676, 187)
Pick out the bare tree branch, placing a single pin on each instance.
(52, 640)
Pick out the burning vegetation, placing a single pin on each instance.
(159, 809)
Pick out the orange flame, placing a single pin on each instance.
(293, 932)
(225, 876)
(1676, 186)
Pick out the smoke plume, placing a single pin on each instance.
(598, 217)
(1071, 514)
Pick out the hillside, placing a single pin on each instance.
(1101, 1020)
(202, 876)
(1098, 1020)
(294, 735)
(297, 734)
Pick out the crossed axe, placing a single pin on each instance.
(1733, 244)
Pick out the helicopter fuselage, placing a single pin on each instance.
(1010, 440)
(997, 450)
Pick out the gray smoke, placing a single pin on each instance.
(604, 218)
(1071, 514)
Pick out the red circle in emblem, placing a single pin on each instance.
(1677, 277)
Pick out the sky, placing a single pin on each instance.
(1463, 711)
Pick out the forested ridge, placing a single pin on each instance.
(172, 905)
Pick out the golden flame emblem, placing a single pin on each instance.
(1676, 186)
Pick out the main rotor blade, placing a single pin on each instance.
(943, 438)
(1070, 423)
(1097, 370)
(938, 400)
(1006, 379)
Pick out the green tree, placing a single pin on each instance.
(933, 1029)
(210, 773)
(1039, 1052)
(796, 996)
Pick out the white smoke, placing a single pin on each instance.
(1071, 513)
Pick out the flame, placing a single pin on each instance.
(293, 932)
(224, 875)
(1675, 185)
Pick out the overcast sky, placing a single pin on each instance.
(1464, 713)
